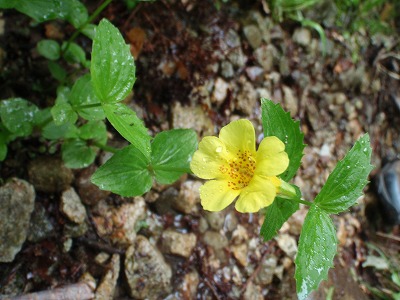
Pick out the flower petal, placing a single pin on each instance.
(208, 159)
(215, 195)
(272, 159)
(239, 134)
(259, 193)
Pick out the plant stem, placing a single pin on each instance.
(300, 201)
(88, 21)
(87, 106)
(105, 147)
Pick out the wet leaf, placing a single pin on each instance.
(277, 122)
(276, 214)
(112, 67)
(129, 126)
(77, 154)
(56, 70)
(82, 94)
(17, 115)
(126, 173)
(44, 10)
(73, 53)
(172, 152)
(346, 182)
(62, 113)
(95, 131)
(49, 49)
(317, 248)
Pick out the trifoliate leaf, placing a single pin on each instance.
(345, 184)
(95, 131)
(129, 126)
(17, 115)
(112, 68)
(277, 122)
(171, 154)
(278, 213)
(126, 173)
(317, 248)
(84, 100)
(49, 49)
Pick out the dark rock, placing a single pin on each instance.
(49, 175)
(90, 194)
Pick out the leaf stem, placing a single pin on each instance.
(105, 147)
(298, 200)
(87, 106)
(88, 21)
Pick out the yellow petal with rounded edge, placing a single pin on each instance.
(258, 194)
(239, 134)
(272, 159)
(215, 195)
(208, 159)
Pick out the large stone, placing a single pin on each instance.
(49, 175)
(17, 199)
(253, 35)
(189, 196)
(118, 223)
(147, 273)
(90, 194)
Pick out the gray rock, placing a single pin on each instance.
(227, 69)
(246, 100)
(106, 288)
(72, 206)
(72, 230)
(189, 196)
(192, 117)
(165, 202)
(220, 91)
(173, 242)
(147, 273)
(215, 219)
(267, 271)
(265, 56)
(253, 292)
(40, 226)
(291, 102)
(17, 199)
(288, 244)
(215, 240)
(253, 35)
(255, 73)
(240, 253)
(232, 46)
(302, 36)
(118, 223)
(188, 287)
(49, 175)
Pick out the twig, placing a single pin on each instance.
(254, 274)
(388, 236)
(100, 246)
(78, 291)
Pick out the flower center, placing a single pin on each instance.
(240, 170)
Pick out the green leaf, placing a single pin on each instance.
(63, 113)
(49, 49)
(278, 213)
(277, 122)
(171, 154)
(317, 248)
(82, 95)
(57, 71)
(77, 154)
(51, 131)
(17, 115)
(126, 173)
(74, 53)
(95, 131)
(89, 30)
(45, 10)
(129, 126)
(112, 68)
(3, 145)
(346, 182)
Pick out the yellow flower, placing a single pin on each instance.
(237, 169)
